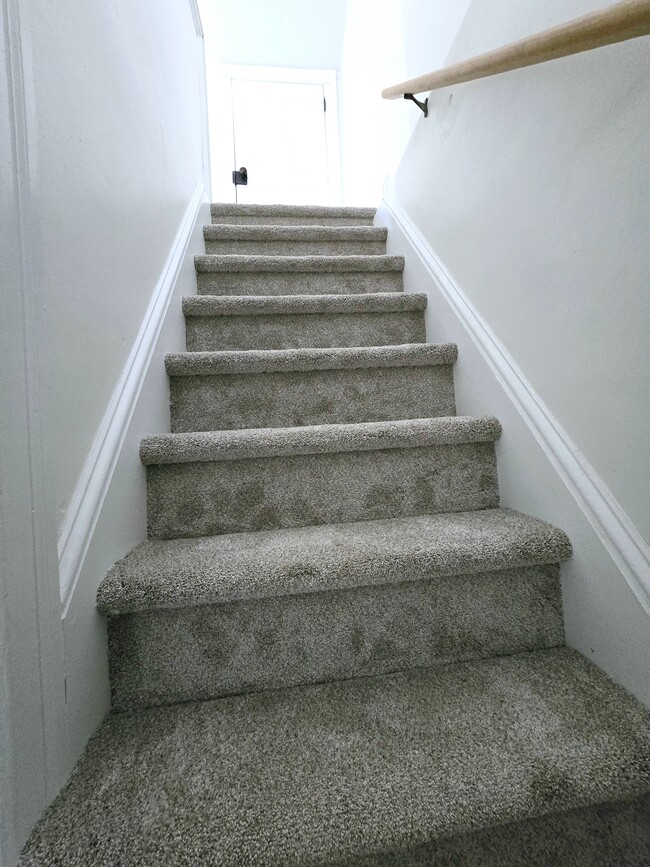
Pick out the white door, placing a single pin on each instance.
(280, 137)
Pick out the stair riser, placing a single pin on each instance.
(243, 220)
(191, 654)
(226, 402)
(214, 497)
(297, 283)
(583, 837)
(296, 248)
(288, 331)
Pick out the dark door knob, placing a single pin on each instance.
(240, 177)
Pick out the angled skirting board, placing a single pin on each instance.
(90, 492)
(607, 584)
(107, 516)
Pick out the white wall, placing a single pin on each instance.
(532, 189)
(603, 616)
(102, 180)
(386, 41)
(274, 32)
(118, 159)
(31, 646)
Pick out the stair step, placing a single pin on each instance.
(359, 772)
(291, 215)
(245, 566)
(295, 240)
(188, 617)
(332, 358)
(297, 321)
(204, 652)
(295, 387)
(319, 439)
(205, 484)
(301, 275)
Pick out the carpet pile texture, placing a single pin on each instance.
(335, 648)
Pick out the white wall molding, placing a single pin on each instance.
(196, 15)
(624, 543)
(31, 636)
(95, 478)
(205, 122)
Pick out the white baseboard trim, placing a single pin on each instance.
(90, 491)
(618, 534)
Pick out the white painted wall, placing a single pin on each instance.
(532, 189)
(386, 41)
(103, 168)
(603, 617)
(274, 32)
(31, 641)
(118, 159)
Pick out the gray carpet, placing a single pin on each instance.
(321, 439)
(303, 321)
(255, 305)
(613, 834)
(303, 387)
(351, 770)
(252, 264)
(224, 232)
(185, 572)
(308, 359)
(295, 240)
(205, 651)
(335, 648)
(209, 497)
(233, 613)
(291, 215)
(302, 275)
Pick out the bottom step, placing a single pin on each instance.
(352, 772)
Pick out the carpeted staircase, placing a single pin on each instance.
(335, 648)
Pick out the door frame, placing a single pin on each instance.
(222, 134)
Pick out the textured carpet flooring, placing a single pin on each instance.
(353, 770)
(614, 834)
(186, 572)
(373, 649)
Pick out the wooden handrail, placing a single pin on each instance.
(614, 24)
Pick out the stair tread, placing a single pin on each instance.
(233, 262)
(218, 569)
(290, 360)
(221, 208)
(228, 445)
(223, 231)
(273, 305)
(346, 770)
